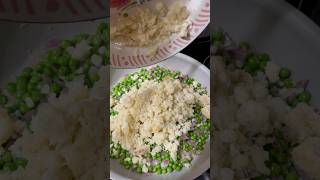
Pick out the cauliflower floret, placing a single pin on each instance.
(259, 156)
(302, 122)
(254, 117)
(272, 71)
(241, 94)
(306, 157)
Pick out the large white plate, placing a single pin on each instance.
(277, 28)
(127, 57)
(201, 163)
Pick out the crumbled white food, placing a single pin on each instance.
(306, 157)
(81, 50)
(102, 50)
(302, 122)
(225, 174)
(29, 102)
(154, 113)
(45, 89)
(247, 117)
(146, 27)
(67, 139)
(272, 71)
(244, 114)
(96, 60)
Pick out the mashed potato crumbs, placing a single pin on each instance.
(156, 113)
(147, 27)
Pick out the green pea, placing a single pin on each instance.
(36, 77)
(122, 155)
(178, 168)
(291, 176)
(63, 71)
(217, 38)
(64, 60)
(304, 96)
(36, 96)
(174, 166)
(94, 77)
(1, 164)
(284, 73)
(106, 57)
(27, 72)
(39, 67)
(275, 169)
(23, 108)
(95, 41)
(169, 169)
(87, 65)
(253, 63)
(10, 166)
(262, 177)
(78, 38)
(73, 65)
(12, 88)
(56, 88)
(164, 171)
(244, 45)
(65, 44)
(48, 71)
(21, 162)
(69, 77)
(264, 57)
(3, 99)
(294, 102)
(52, 57)
(6, 156)
(32, 87)
(139, 169)
(287, 83)
(159, 171)
(11, 109)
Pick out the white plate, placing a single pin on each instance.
(201, 163)
(277, 28)
(127, 57)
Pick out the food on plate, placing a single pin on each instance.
(264, 124)
(148, 27)
(52, 116)
(159, 120)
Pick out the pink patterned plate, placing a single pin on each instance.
(130, 57)
(52, 10)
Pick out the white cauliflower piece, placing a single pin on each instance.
(272, 71)
(306, 157)
(254, 117)
(302, 122)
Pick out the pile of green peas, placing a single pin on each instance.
(8, 163)
(196, 137)
(55, 69)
